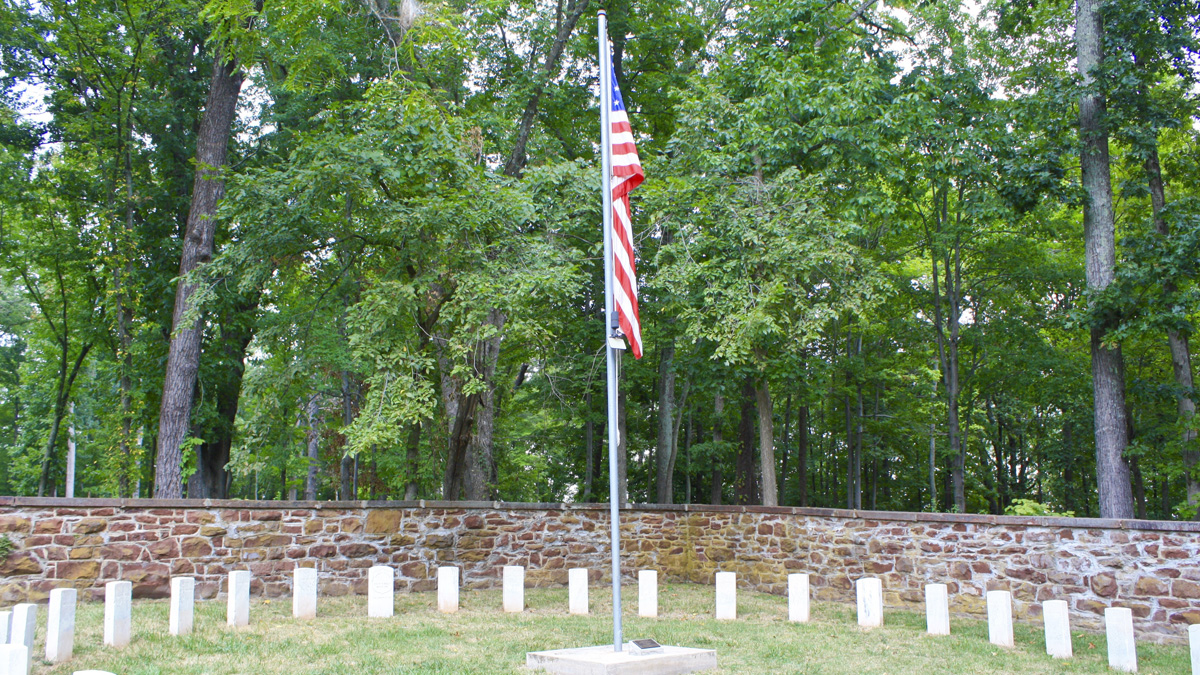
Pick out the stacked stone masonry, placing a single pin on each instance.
(1151, 567)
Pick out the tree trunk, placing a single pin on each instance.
(412, 458)
(69, 483)
(1108, 369)
(183, 359)
(933, 500)
(66, 381)
(346, 467)
(858, 444)
(787, 439)
(125, 319)
(766, 442)
(802, 452)
(1068, 451)
(747, 492)
(664, 485)
(948, 357)
(687, 460)
(566, 26)
(1177, 342)
(312, 442)
(589, 453)
(717, 487)
(470, 462)
(211, 480)
(680, 406)
(1139, 488)
(481, 460)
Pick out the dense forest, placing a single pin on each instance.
(892, 254)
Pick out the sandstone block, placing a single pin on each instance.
(1149, 586)
(1181, 588)
(383, 521)
(14, 524)
(19, 564)
(1104, 585)
(48, 526)
(89, 569)
(90, 526)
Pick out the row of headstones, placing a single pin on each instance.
(1118, 621)
(17, 627)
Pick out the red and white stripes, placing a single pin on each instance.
(627, 174)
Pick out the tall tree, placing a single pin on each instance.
(1108, 369)
(183, 359)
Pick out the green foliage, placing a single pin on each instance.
(1029, 507)
(855, 206)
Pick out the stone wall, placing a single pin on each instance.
(1152, 567)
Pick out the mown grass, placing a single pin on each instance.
(482, 639)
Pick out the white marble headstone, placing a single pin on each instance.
(5, 627)
(24, 625)
(1057, 620)
(14, 660)
(799, 598)
(726, 595)
(648, 593)
(1122, 649)
(183, 605)
(514, 588)
(447, 589)
(1000, 626)
(237, 611)
(869, 592)
(381, 592)
(1194, 638)
(937, 609)
(577, 590)
(118, 597)
(60, 625)
(304, 593)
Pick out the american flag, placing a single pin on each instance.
(627, 174)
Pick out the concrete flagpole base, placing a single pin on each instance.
(603, 660)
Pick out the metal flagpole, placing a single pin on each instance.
(611, 354)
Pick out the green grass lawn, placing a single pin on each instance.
(482, 639)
